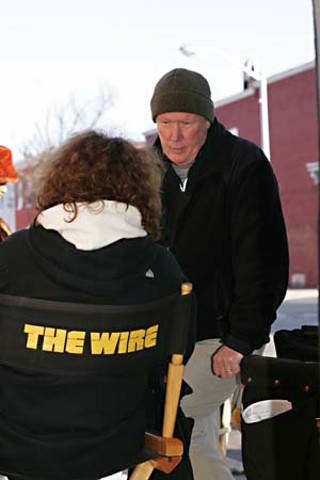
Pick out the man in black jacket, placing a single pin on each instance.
(223, 221)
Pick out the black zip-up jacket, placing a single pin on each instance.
(228, 233)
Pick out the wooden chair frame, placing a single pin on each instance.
(169, 450)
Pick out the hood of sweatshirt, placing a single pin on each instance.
(119, 256)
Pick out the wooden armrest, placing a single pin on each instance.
(169, 447)
(170, 452)
(165, 464)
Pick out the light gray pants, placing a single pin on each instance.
(203, 405)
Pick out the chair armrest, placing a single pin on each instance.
(169, 447)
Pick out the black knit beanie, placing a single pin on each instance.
(182, 90)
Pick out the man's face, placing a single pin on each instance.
(181, 135)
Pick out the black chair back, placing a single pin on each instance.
(298, 344)
(50, 336)
(283, 443)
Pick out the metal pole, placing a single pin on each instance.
(264, 116)
(263, 90)
(316, 27)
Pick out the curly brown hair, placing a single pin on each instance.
(92, 166)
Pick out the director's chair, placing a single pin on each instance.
(39, 336)
(279, 409)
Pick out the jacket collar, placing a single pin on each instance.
(210, 159)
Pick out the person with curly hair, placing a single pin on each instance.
(93, 241)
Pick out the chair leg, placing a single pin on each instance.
(142, 471)
(174, 382)
(225, 428)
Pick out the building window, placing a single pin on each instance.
(313, 170)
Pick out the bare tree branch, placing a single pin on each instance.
(60, 123)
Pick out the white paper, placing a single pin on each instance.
(265, 409)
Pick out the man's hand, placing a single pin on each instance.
(226, 362)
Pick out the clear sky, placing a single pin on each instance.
(52, 51)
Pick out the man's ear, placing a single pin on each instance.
(208, 124)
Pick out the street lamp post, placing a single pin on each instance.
(258, 77)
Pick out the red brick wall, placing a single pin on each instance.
(243, 114)
(293, 133)
(293, 144)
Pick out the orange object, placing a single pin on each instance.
(7, 170)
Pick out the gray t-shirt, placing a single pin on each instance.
(182, 172)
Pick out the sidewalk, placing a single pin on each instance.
(234, 458)
(301, 293)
